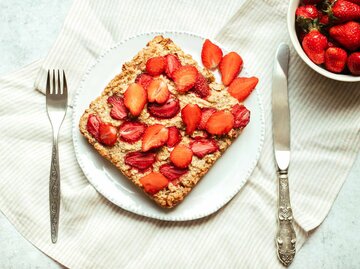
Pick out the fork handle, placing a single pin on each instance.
(286, 237)
(54, 192)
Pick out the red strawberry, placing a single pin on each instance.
(166, 111)
(155, 66)
(172, 172)
(174, 136)
(131, 131)
(335, 59)
(155, 136)
(191, 116)
(92, 125)
(185, 78)
(140, 160)
(201, 86)
(107, 134)
(158, 91)
(135, 99)
(307, 12)
(181, 156)
(202, 147)
(154, 182)
(118, 110)
(305, 16)
(241, 116)
(347, 35)
(230, 66)
(314, 45)
(241, 88)
(206, 112)
(172, 64)
(144, 80)
(324, 19)
(221, 122)
(353, 63)
(343, 11)
(211, 54)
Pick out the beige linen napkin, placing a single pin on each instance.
(96, 234)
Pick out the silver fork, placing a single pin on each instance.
(56, 104)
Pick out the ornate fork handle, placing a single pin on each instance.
(286, 237)
(54, 192)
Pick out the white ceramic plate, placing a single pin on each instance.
(218, 186)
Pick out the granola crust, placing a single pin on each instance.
(219, 99)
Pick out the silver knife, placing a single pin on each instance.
(286, 237)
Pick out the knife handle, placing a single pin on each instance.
(286, 237)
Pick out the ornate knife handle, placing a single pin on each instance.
(54, 192)
(286, 237)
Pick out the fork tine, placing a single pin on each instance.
(59, 87)
(48, 83)
(54, 90)
(64, 84)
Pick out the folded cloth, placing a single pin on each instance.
(94, 233)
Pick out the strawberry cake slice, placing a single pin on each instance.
(164, 121)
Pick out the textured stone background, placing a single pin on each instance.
(28, 29)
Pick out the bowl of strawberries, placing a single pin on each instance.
(326, 35)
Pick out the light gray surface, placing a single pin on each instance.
(28, 29)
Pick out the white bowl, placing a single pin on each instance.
(295, 41)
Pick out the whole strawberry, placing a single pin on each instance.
(353, 63)
(347, 35)
(343, 11)
(335, 59)
(306, 15)
(314, 45)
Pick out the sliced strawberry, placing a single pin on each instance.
(158, 91)
(92, 125)
(172, 64)
(140, 160)
(191, 116)
(154, 182)
(185, 78)
(174, 136)
(131, 131)
(155, 66)
(221, 122)
(206, 112)
(181, 156)
(107, 134)
(230, 66)
(166, 111)
(241, 116)
(135, 99)
(172, 172)
(201, 86)
(144, 80)
(155, 136)
(201, 147)
(211, 54)
(241, 88)
(118, 110)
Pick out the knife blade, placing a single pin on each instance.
(286, 237)
(280, 107)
